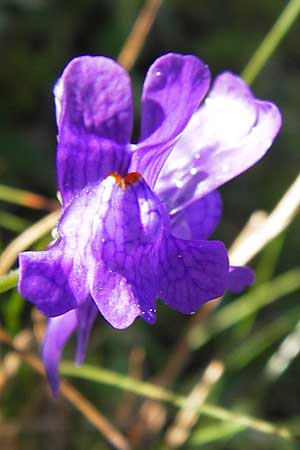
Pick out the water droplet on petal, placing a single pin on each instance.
(158, 73)
(179, 183)
(179, 255)
(193, 171)
(54, 234)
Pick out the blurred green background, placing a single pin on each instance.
(37, 39)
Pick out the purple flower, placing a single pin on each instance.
(136, 217)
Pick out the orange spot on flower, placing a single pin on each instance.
(126, 181)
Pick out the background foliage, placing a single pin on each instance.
(37, 38)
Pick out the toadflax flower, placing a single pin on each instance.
(136, 217)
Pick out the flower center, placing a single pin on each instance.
(126, 181)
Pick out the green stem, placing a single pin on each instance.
(245, 306)
(12, 222)
(271, 41)
(154, 392)
(26, 198)
(9, 281)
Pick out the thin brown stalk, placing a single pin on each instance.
(93, 415)
(26, 239)
(87, 409)
(39, 322)
(138, 34)
(11, 360)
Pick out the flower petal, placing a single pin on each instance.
(58, 332)
(191, 273)
(229, 133)
(54, 280)
(125, 292)
(94, 117)
(86, 315)
(198, 220)
(173, 89)
(125, 248)
(240, 278)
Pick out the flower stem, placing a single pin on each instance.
(244, 306)
(26, 198)
(271, 41)
(158, 393)
(9, 281)
(134, 43)
(12, 222)
(26, 239)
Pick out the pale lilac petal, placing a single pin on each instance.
(115, 298)
(229, 133)
(122, 295)
(54, 280)
(126, 240)
(173, 89)
(231, 106)
(94, 116)
(199, 219)
(86, 315)
(191, 273)
(58, 332)
(240, 278)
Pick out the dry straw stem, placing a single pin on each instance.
(243, 251)
(138, 34)
(26, 239)
(112, 435)
(11, 361)
(179, 431)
